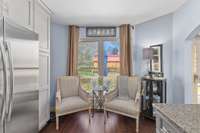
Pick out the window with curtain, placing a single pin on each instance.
(98, 56)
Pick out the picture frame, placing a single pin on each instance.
(156, 63)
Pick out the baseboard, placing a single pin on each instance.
(42, 124)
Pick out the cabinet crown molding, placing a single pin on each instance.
(45, 7)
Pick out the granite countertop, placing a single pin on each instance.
(184, 116)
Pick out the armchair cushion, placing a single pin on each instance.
(72, 104)
(133, 86)
(69, 86)
(124, 106)
(122, 82)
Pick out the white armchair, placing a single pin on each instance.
(125, 100)
(70, 98)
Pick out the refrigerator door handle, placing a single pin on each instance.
(5, 86)
(11, 69)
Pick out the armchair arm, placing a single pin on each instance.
(58, 96)
(138, 101)
(138, 96)
(109, 96)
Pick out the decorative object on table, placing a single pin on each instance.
(125, 100)
(69, 91)
(147, 56)
(157, 61)
(100, 88)
(106, 84)
(153, 91)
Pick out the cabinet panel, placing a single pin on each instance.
(42, 27)
(20, 11)
(42, 23)
(44, 88)
(44, 70)
(1, 7)
(43, 107)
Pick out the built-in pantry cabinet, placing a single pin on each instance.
(42, 27)
(34, 15)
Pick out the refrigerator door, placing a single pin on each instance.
(22, 114)
(3, 81)
(3, 87)
(25, 55)
(22, 54)
(24, 118)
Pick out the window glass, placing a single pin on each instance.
(111, 67)
(87, 63)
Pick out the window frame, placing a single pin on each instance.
(100, 41)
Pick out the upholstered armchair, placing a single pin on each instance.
(70, 98)
(125, 99)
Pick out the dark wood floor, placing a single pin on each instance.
(78, 123)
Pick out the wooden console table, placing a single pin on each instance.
(154, 91)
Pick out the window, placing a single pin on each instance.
(87, 63)
(98, 57)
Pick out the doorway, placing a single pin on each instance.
(196, 70)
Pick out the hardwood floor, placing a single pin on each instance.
(78, 123)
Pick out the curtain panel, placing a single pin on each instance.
(125, 50)
(73, 50)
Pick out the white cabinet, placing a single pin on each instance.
(20, 11)
(44, 89)
(42, 27)
(42, 24)
(1, 7)
(34, 16)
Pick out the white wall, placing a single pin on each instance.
(156, 31)
(185, 20)
(59, 49)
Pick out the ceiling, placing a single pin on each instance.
(109, 12)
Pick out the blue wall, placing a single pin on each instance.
(59, 49)
(153, 32)
(172, 31)
(185, 20)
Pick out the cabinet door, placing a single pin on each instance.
(20, 11)
(44, 89)
(42, 26)
(43, 107)
(44, 70)
(1, 7)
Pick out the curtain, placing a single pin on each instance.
(125, 50)
(73, 50)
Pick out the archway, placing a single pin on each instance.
(194, 37)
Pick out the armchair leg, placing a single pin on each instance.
(105, 116)
(137, 125)
(57, 123)
(89, 113)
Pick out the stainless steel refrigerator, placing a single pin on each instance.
(19, 70)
